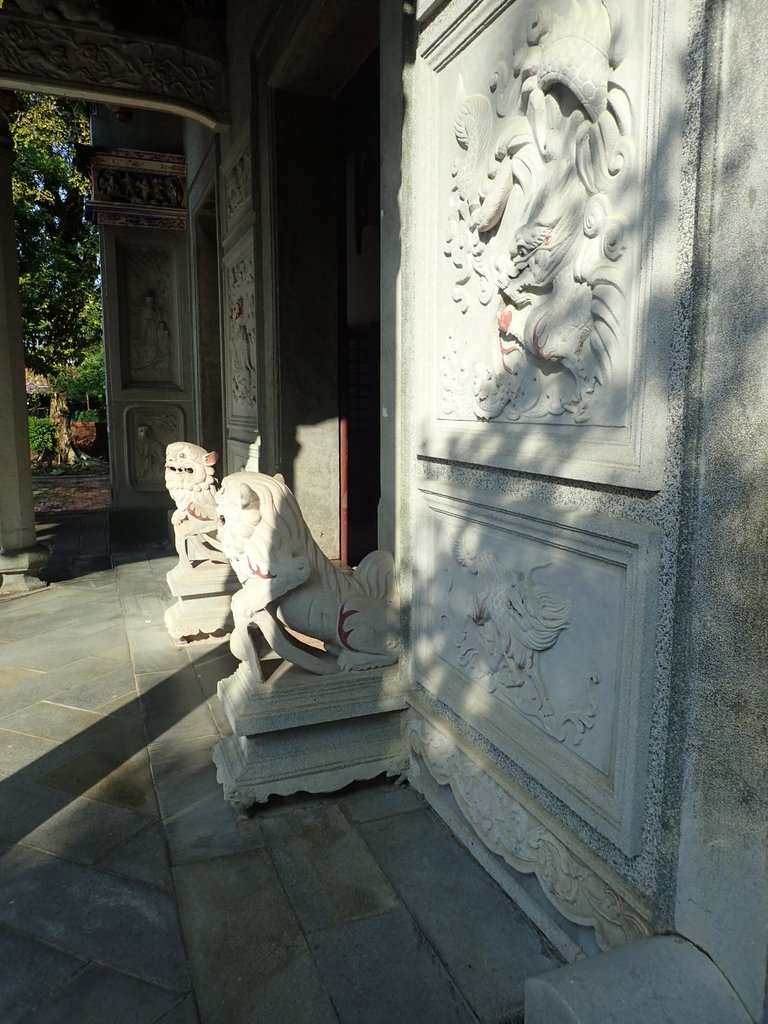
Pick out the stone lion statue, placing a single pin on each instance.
(190, 482)
(290, 587)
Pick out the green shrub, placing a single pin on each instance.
(42, 438)
(88, 416)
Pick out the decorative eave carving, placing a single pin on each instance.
(511, 831)
(76, 60)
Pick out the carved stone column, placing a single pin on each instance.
(20, 557)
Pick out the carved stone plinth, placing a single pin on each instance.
(298, 733)
(202, 613)
(19, 570)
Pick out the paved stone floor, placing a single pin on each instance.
(131, 893)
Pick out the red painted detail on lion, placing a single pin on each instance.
(344, 633)
(256, 570)
(192, 512)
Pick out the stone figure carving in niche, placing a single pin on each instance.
(513, 618)
(149, 447)
(290, 587)
(151, 357)
(149, 304)
(242, 332)
(237, 185)
(190, 482)
(536, 230)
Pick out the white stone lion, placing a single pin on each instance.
(288, 582)
(190, 482)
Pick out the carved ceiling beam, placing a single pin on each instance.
(100, 66)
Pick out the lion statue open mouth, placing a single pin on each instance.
(288, 582)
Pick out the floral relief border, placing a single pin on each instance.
(511, 831)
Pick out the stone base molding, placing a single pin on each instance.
(202, 612)
(19, 570)
(509, 824)
(297, 732)
(664, 979)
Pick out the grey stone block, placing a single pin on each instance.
(487, 945)
(662, 980)
(326, 868)
(98, 994)
(380, 801)
(380, 969)
(250, 961)
(123, 924)
(31, 971)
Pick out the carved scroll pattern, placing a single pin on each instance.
(63, 52)
(241, 335)
(537, 231)
(150, 317)
(511, 831)
(502, 633)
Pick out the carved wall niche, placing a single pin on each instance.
(241, 380)
(538, 630)
(150, 318)
(548, 199)
(149, 429)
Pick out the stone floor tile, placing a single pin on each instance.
(99, 994)
(380, 801)
(184, 1012)
(143, 857)
(92, 914)
(57, 685)
(495, 949)
(12, 677)
(57, 647)
(174, 706)
(152, 651)
(380, 970)
(57, 722)
(31, 971)
(328, 872)
(198, 821)
(18, 751)
(250, 960)
(54, 822)
(99, 775)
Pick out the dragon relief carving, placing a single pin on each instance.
(513, 619)
(510, 830)
(535, 229)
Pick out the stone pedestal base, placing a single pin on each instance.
(300, 732)
(19, 570)
(202, 613)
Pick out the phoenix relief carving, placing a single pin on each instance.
(536, 232)
(502, 630)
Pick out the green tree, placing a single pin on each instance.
(58, 249)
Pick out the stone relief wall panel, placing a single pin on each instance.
(538, 630)
(236, 187)
(150, 318)
(241, 380)
(538, 233)
(149, 429)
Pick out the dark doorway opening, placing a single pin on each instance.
(357, 113)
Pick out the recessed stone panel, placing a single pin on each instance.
(149, 429)
(240, 367)
(544, 206)
(537, 628)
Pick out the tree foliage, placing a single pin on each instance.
(58, 249)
